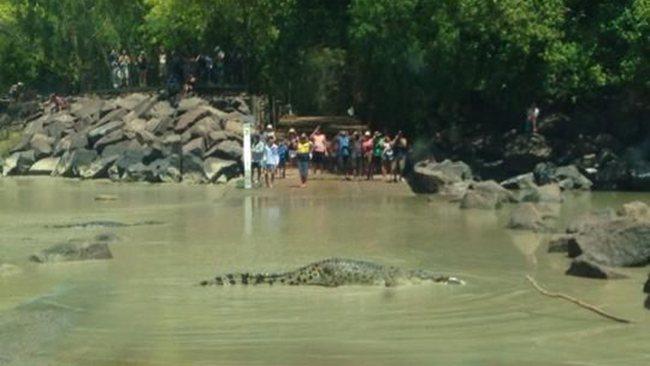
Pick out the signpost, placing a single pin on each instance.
(248, 177)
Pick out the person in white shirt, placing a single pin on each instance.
(531, 119)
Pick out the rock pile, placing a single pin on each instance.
(136, 137)
(602, 240)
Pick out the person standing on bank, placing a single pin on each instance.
(400, 150)
(257, 157)
(531, 119)
(319, 152)
(356, 154)
(343, 146)
(303, 150)
(271, 160)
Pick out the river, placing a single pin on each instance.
(144, 306)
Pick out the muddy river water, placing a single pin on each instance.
(144, 306)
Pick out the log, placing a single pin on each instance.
(580, 303)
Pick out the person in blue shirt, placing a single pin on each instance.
(343, 152)
(283, 152)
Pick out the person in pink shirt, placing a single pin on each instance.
(319, 151)
(367, 145)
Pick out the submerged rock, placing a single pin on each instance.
(486, 195)
(71, 252)
(527, 217)
(583, 267)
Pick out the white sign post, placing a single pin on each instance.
(248, 177)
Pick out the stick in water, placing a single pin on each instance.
(576, 301)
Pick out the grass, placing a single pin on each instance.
(8, 139)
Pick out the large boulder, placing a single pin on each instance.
(111, 138)
(161, 111)
(41, 144)
(18, 163)
(429, 176)
(72, 141)
(194, 147)
(103, 130)
(572, 178)
(98, 168)
(187, 119)
(215, 168)
(167, 170)
(519, 182)
(192, 169)
(527, 217)
(615, 241)
(72, 162)
(228, 150)
(523, 152)
(73, 252)
(549, 193)
(44, 166)
(486, 195)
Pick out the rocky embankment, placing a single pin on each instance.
(134, 137)
(610, 162)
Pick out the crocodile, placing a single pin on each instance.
(333, 272)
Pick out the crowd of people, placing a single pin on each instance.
(213, 68)
(353, 156)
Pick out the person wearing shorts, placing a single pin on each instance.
(356, 154)
(271, 161)
(257, 157)
(303, 149)
(283, 152)
(319, 149)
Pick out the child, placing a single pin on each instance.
(283, 152)
(271, 160)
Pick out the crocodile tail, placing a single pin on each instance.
(231, 279)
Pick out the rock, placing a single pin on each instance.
(106, 197)
(194, 147)
(234, 126)
(186, 120)
(229, 150)
(560, 244)
(214, 168)
(18, 163)
(131, 101)
(523, 152)
(139, 173)
(112, 116)
(454, 192)
(72, 162)
(519, 182)
(45, 166)
(636, 210)
(161, 111)
(488, 195)
(111, 138)
(619, 241)
(71, 142)
(98, 168)
(71, 252)
(613, 174)
(526, 217)
(430, 176)
(141, 109)
(573, 177)
(41, 145)
(192, 169)
(87, 108)
(550, 193)
(216, 137)
(480, 200)
(132, 154)
(103, 130)
(204, 127)
(582, 267)
(8, 270)
(188, 104)
(167, 169)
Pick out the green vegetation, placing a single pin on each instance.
(8, 139)
(418, 65)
